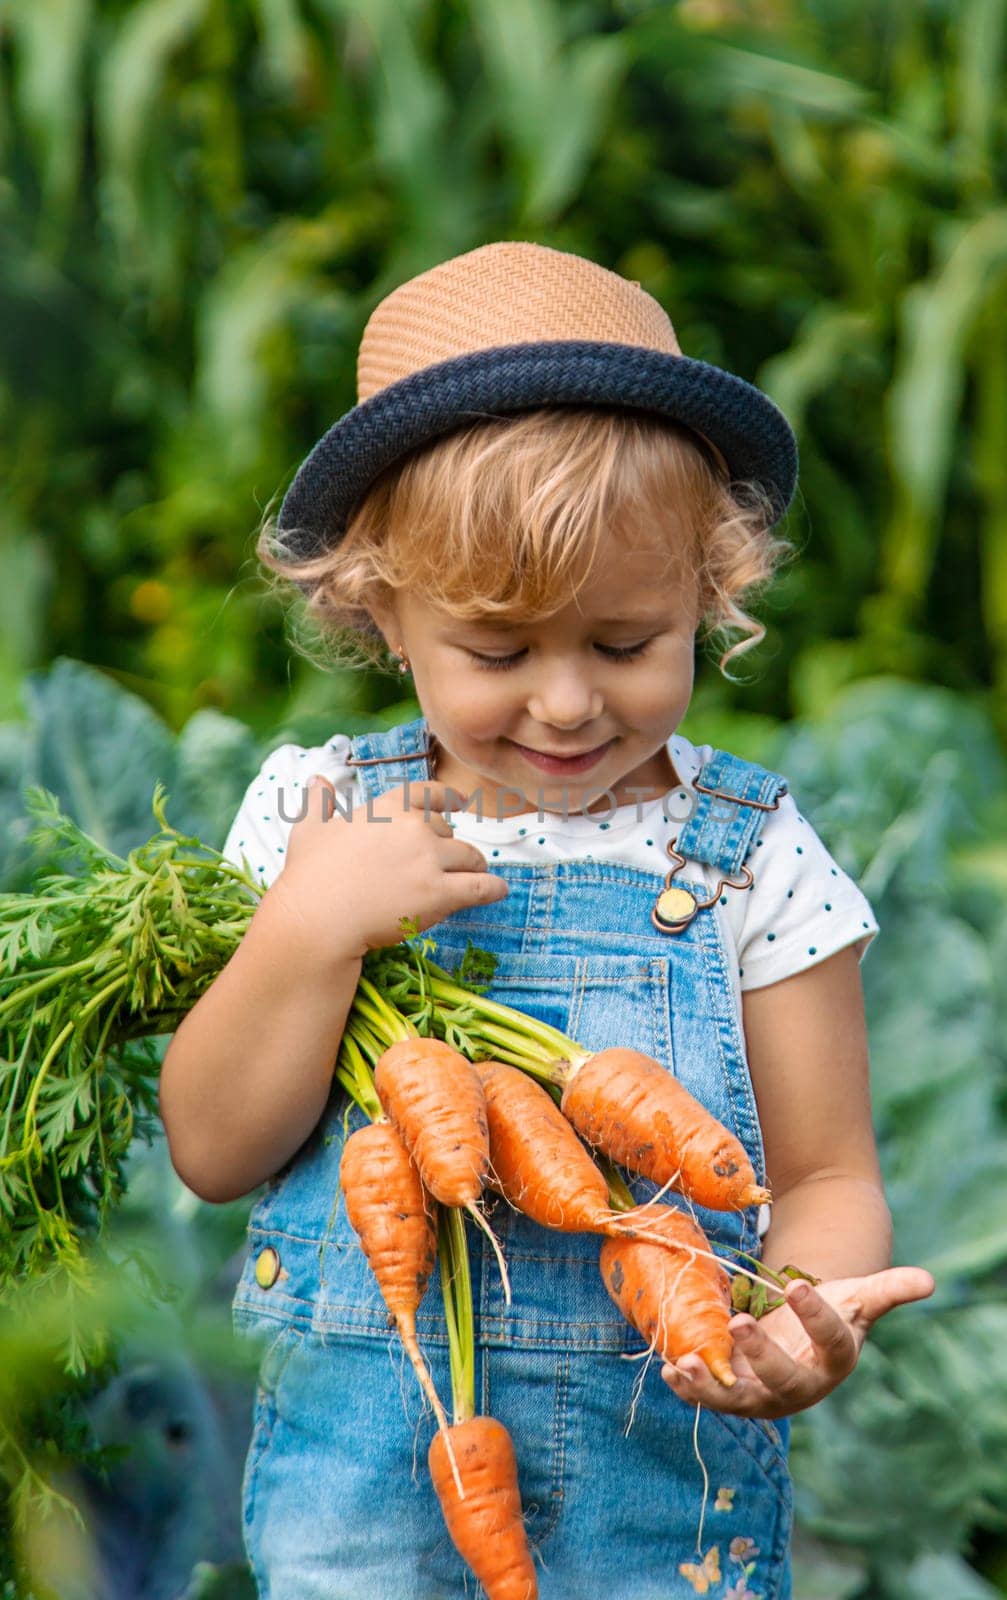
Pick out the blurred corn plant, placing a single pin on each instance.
(852, 231)
(202, 202)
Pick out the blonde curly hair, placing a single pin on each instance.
(502, 518)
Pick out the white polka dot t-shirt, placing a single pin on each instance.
(801, 908)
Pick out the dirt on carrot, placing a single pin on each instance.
(627, 1105)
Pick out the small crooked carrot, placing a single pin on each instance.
(672, 1293)
(486, 1526)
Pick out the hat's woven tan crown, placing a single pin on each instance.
(510, 292)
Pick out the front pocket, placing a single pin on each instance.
(272, 1367)
(277, 1354)
(598, 1000)
(529, 1392)
(764, 1442)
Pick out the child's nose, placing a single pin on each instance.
(564, 697)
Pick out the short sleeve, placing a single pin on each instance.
(274, 801)
(802, 907)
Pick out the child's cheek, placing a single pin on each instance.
(476, 707)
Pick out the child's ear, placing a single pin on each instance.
(384, 619)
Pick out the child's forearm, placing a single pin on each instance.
(248, 1072)
(833, 1225)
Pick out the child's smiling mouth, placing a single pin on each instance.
(547, 762)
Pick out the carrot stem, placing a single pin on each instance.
(760, 1266)
(373, 1005)
(358, 1031)
(355, 1076)
(619, 1196)
(456, 1286)
(501, 1044)
(523, 1031)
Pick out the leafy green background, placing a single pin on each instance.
(200, 203)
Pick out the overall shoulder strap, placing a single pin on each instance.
(732, 799)
(385, 758)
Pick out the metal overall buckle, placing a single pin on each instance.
(675, 907)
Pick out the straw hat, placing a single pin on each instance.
(513, 326)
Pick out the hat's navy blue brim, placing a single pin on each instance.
(754, 436)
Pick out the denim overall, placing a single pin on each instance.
(337, 1502)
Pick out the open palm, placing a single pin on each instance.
(794, 1356)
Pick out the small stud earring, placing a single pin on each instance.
(403, 662)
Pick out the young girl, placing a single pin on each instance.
(536, 503)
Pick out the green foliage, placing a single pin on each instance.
(93, 747)
(138, 1461)
(96, 963)
(902, 1462)
(203, 202)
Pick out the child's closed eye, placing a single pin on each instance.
(614, 652)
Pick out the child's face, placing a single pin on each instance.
(560, 691)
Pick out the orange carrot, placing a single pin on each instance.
(678, 1301)
(639, 1114)
(434, 1097)
(388, 1210)
(539, 1164)
(485, 1527)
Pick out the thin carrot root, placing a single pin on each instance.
(486, 1526)
(481, 1222)
(626, 1104)
(406, 1329)
(675, 1298)
(647, 1230)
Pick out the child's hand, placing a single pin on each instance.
(794, 1356)
(347, 882)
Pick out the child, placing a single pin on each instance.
(534, 505)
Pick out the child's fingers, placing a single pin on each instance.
(790, 1382)
(428, 795)
(829, 1332)
(478, 888)
(882, 1291)
(691, 1380)
(457, 855)
(437, 801)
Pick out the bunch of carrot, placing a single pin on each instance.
(451, 1087)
